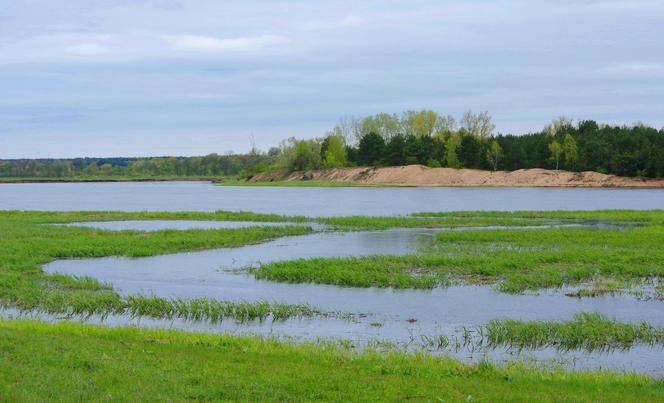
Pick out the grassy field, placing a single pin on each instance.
(81, 362)
(75, 362)
(26, 244)
(605, 259)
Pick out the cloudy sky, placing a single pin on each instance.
(170, 77)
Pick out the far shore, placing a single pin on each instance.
(401, 176)
(423, 176)
(9, 180)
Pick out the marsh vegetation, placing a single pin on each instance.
(584, 254)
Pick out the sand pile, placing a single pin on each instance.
(419, 175)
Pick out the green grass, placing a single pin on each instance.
(353, 272)
(210, 310)
(74, 362)
(26, 244)
(358, 223)
(78, 362)
(588, 331)
(514, 260)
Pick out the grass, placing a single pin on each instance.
(212, 310)
(358, 223)
(514, 260)
(350, 272)
(26, 244)
(103, 304)
(588, 331)
(67, 362)
(78, 362)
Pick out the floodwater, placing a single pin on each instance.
(203, 196)
(159, 225)
(404, 317)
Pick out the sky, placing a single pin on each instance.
(168, 77)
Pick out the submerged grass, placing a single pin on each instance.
(68, 361)
(212, 310)
(587, 331)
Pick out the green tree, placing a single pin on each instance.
(494, 153)
(424, 123)
(555, 151)
(335, 155)
(395, 151)
(106, 169)
(471, 152)
(570, 150)
(302, 158)
(91, 169)
(371, 149)
(452, 145)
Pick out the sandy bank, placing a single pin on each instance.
(419, 175)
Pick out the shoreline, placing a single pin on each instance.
(402, 176)
(103, 180)
(422, 176)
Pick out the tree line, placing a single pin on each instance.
(414, 137)
(212, 165)
(428, 138)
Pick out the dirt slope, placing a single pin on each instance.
(419, 175)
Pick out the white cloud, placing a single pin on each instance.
(131, 46)
(88, 49)
(346, 22)
(634, 69)
(199, 43)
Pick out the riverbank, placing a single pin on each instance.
(112, 179)
(419, 175)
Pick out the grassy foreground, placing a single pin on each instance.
(40, 362)
(80, 362)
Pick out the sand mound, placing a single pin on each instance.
(420, 175)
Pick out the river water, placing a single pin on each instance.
(203, 196)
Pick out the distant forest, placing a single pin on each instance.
(415, 137)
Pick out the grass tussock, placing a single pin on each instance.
(587, 331)
(214, 311)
